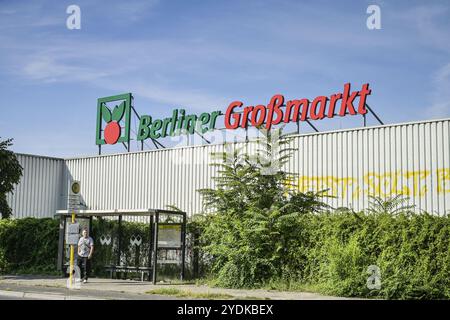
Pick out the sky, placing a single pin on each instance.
(202, 55)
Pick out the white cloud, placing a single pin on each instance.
(440, 97)
(49, 70)
(426, 21)
(133, 10)
(194, 99)
(139, 66)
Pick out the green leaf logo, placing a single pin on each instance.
(113, 119)
(118, 112)
(106, 113)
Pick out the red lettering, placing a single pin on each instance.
(229, 114)
(347, 102)
(365, 91)
(322, 100)
(274, 106)
(247, 111)
(304, 103)
(261, 111)
(333, 99)
(317, 110)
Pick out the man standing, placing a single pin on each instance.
(85, 251)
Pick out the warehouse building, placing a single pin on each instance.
(412, 159)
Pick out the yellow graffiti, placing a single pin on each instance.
(409, 183)
(443, 180)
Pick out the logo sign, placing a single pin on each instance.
(113, 119)
(178, 123)
(296, 110)
(74, 197)
(278, 110)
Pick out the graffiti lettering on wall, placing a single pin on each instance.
(408, 183)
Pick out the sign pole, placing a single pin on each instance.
(72, 254)
(74, 228)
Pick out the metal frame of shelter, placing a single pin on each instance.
(154, 223)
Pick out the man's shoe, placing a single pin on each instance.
(84, 281)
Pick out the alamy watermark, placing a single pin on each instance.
(374, 280)
(74, 20)
(373, 22)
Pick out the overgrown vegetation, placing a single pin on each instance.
(28, 245)
(260, 232)
(10, 173)
(189, 294)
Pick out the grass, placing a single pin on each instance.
(293, 287)
(204, 295)
(253, 298)
(188, 294)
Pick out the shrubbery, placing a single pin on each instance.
(28, 245)
(331, 252)
(262, 232)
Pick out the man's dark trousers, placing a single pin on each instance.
(85, 267)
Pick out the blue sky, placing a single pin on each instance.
(201, 55)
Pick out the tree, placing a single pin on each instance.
(252, 213)
(10, 173)
(391, 205)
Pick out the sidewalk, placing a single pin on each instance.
(139, 289)
(42, 295)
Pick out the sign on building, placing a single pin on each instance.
(73, 204)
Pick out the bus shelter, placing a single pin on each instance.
(167, 231)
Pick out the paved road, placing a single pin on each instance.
(23, 292)
(129, 289)
(15, 298)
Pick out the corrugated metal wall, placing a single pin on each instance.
(411, 159)
(149, 179)
(39, 193)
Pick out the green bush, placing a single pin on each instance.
(327, 251)
(28, 245)
(331, 251)
(262, 232)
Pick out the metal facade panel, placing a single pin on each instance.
(411, 159)
(38, 193)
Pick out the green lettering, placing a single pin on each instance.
(203, 120)
(180, 123)
(144, 131)
(174, 121)
(156, 125)
(212, 122)
(189, 124)
(164, 127)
